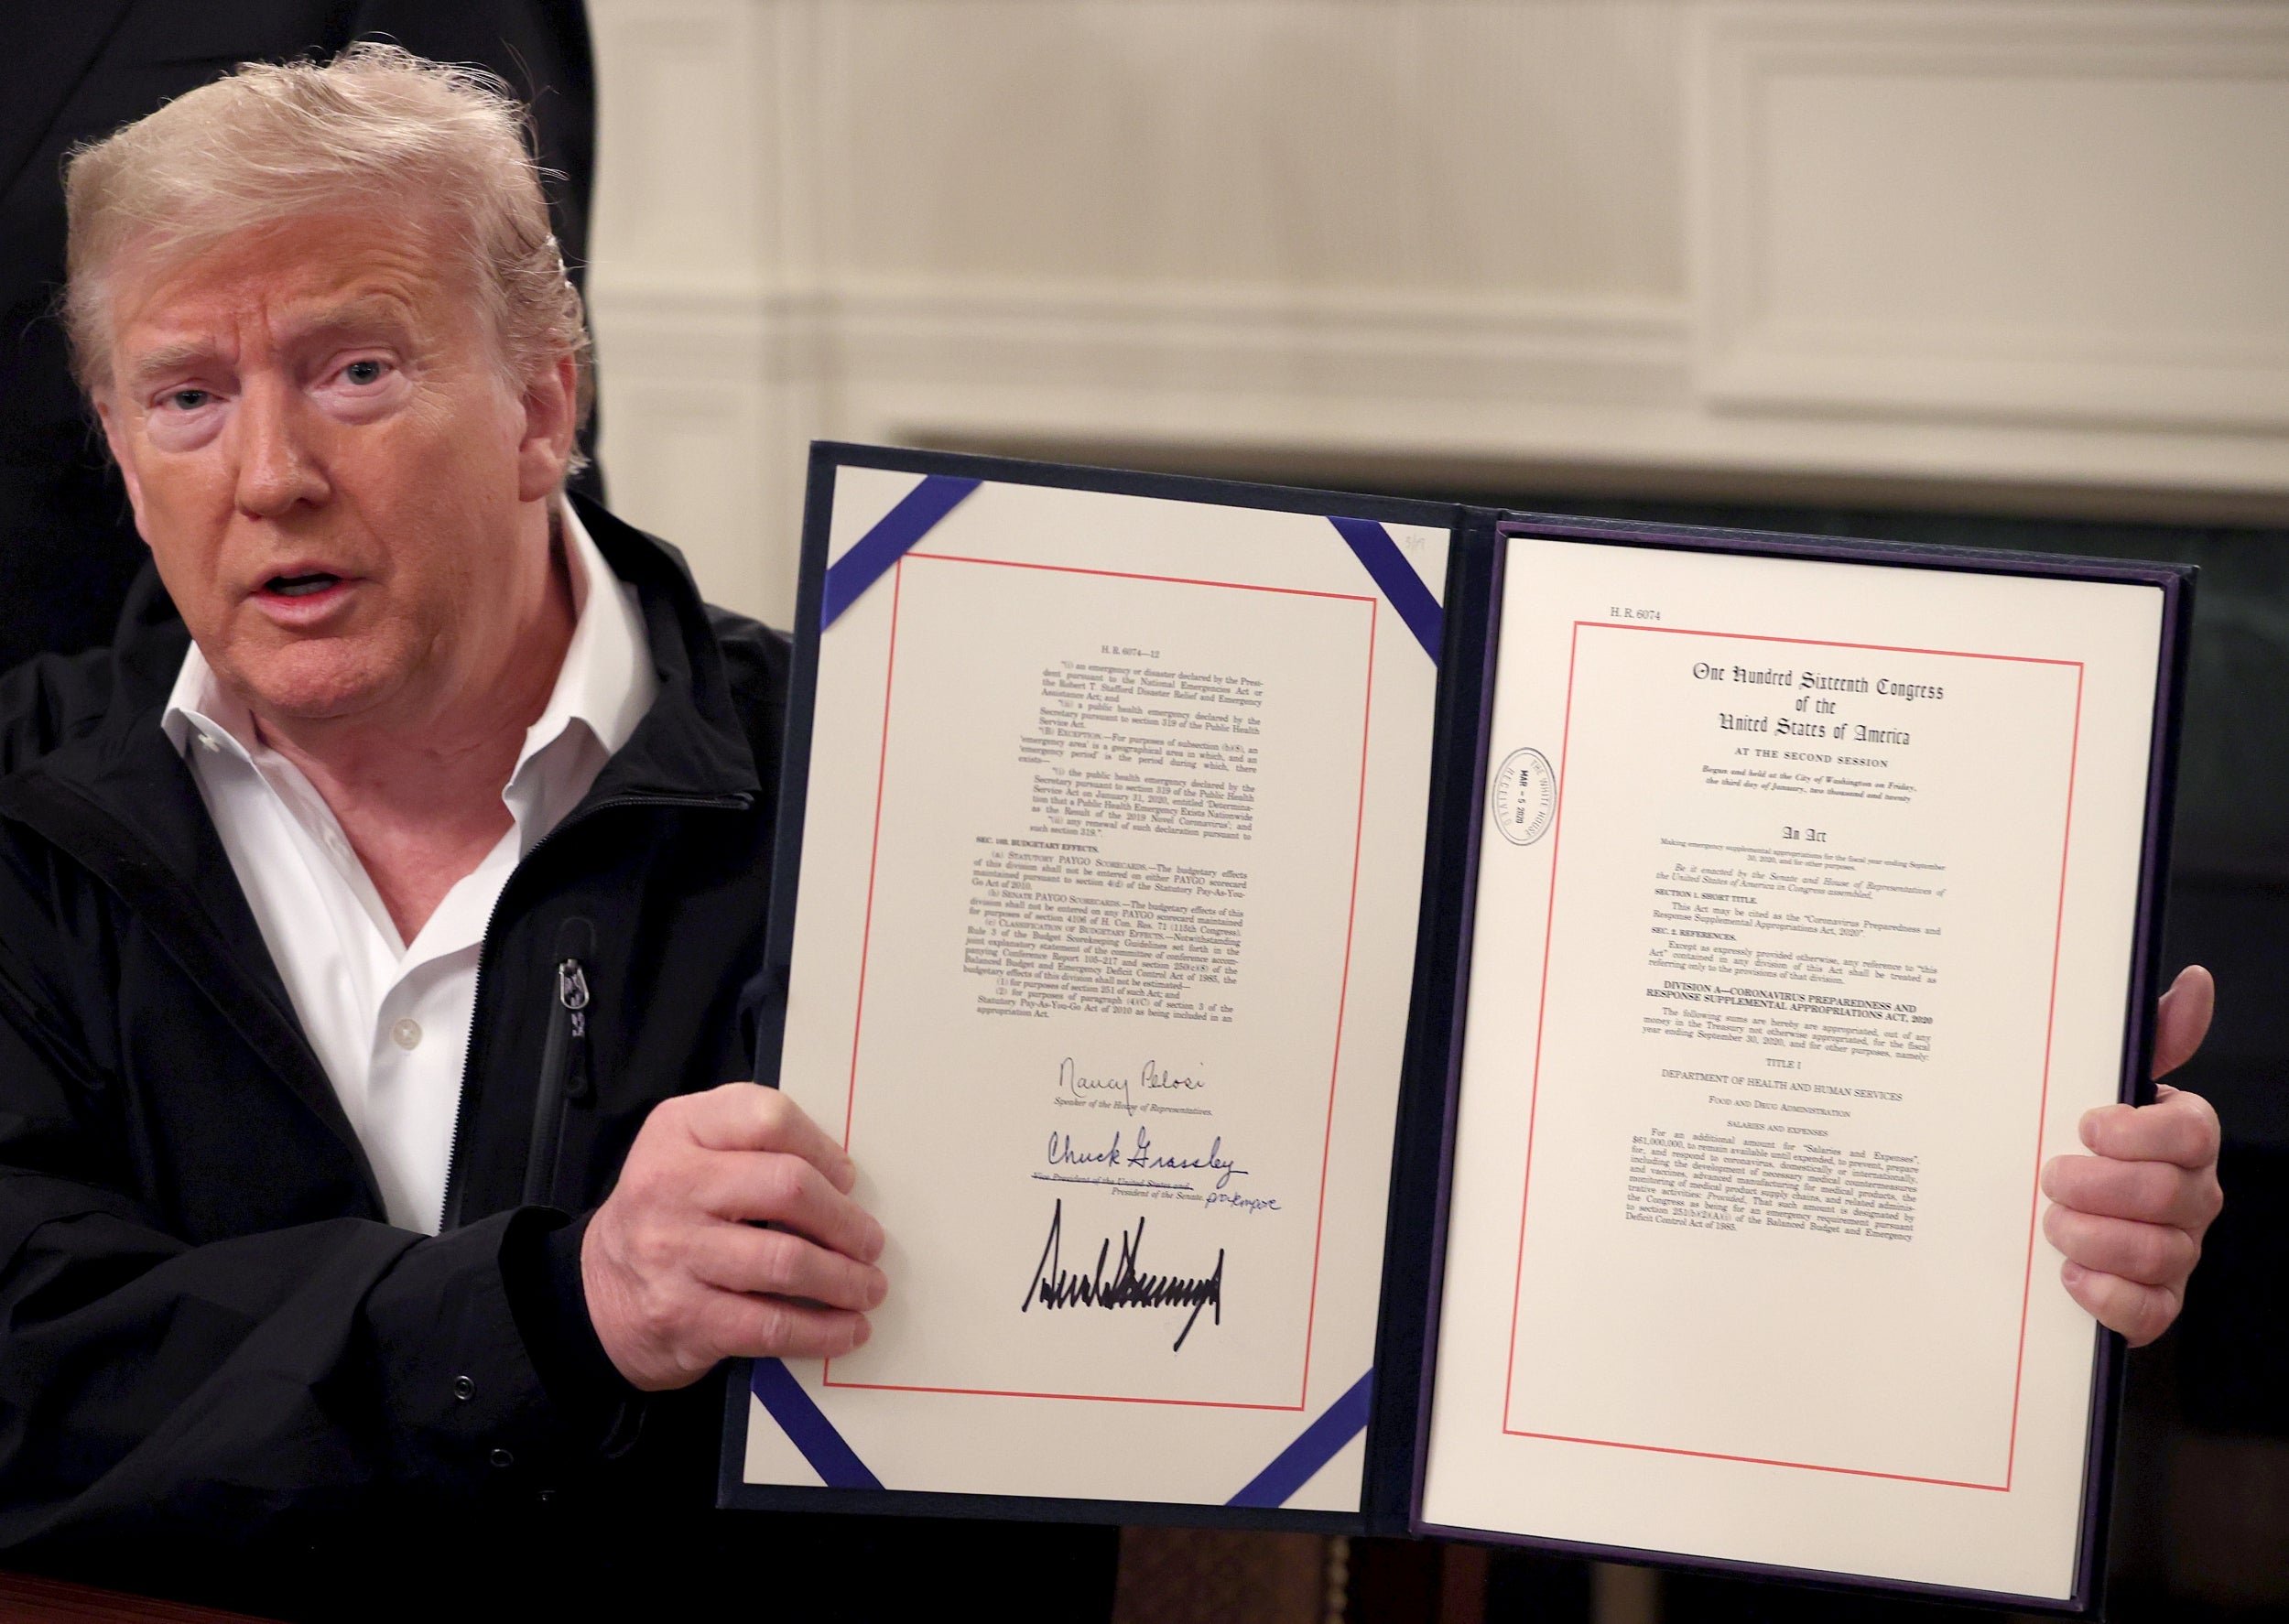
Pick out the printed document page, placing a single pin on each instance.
(1112, 861)
(1803, 936)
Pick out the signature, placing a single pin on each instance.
(1245, 1203)
(1054, 1287)
(1151, 1077)
(1143, 1156)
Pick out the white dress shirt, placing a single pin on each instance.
(390, 1019)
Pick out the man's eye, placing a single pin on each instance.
(187, 400)
(363, 371)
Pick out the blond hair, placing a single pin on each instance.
(376, 128)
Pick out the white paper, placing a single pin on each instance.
(1112, 860)
(1803, 936)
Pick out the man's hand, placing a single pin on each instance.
(2130, 1217)
(677, 1274)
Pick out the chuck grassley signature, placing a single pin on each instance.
(1055, 1286)
(1143, 1157)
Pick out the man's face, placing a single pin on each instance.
(345, 500)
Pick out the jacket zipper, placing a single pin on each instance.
(450, 1219)
(563, 1079)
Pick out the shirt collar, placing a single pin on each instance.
(197, 707)
(606, 683)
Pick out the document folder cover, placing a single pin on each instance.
(1372, 1015)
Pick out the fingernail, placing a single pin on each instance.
(865, 1329)
(881, 1290)
(2072, 1273)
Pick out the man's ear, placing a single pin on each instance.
(116, 436)
(551, 402)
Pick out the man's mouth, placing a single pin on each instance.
(299, 586)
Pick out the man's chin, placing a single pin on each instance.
(311, 684)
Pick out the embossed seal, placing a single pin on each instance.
(1524, 796)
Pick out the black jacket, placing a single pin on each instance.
(221, 1371)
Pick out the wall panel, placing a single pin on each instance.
(2030, 245)
(2047, 212)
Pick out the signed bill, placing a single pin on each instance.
(1112, 854)
(1687, 945)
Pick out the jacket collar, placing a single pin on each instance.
(690, 744)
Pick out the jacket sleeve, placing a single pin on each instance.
(271, 1386)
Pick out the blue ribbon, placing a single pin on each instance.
(839, 1466)
(1398, 580)
(849, 576)
(807, 1427)
(1317, 1445)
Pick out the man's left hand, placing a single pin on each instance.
(2131, 1216)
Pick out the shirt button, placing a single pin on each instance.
(464, 1389)
(502, 1459)
(407, 1033)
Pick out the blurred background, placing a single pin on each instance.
(2006, 273)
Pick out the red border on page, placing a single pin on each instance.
(1311, 1311)
(2049, 1031)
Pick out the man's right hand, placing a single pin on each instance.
(677, 1273)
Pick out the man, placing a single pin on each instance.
(293, 1317)
(74, 73)
(376, 1189)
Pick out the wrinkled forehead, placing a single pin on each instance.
(353, 273)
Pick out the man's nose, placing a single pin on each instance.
(277, 465)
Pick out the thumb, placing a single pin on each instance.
(2183, 1019)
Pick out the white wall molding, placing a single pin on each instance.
(1264, 340)
(2018, 212)
(1540, 382)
